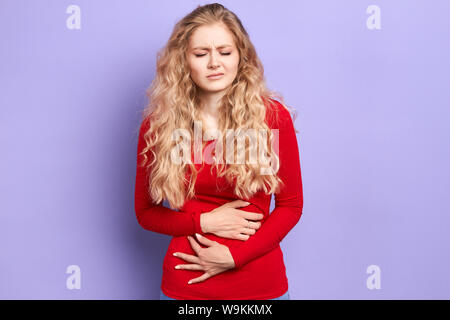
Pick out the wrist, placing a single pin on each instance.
(231, 263)
(204, 221)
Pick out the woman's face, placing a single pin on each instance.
(211, 51)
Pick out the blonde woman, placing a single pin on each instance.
(210, 84)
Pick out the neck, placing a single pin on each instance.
(210, 103)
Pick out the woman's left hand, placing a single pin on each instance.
(213, 260)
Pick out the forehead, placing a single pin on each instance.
(208, 36)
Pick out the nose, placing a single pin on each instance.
(213, 61)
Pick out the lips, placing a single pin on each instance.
(215, 74)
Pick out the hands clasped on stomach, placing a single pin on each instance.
(225, 221)
(229, 222)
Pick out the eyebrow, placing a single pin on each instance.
(207, 48)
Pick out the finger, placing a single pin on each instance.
(194, 244)
(248, 231)
(243, 237)
(189, 267)
(250, 215)
(253, 225)
(204, 240)
(187, 257)
(237, 204)
(199, 279)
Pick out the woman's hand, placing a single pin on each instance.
(213, 260)
(228, 222)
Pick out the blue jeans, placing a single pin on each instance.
(285, 296)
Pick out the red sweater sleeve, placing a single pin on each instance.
(154, 217)
(288, 202)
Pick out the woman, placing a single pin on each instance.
(210, 82)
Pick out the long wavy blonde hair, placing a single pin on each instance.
(173, 104)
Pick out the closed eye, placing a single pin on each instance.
(223, 53)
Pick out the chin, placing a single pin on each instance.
(214, 88)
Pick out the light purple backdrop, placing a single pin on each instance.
(373, 114)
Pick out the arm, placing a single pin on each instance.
(154, 217)
(288, 202)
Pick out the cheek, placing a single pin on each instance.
(193, 68)
(232, 67)
(196, 70)
(234, 64)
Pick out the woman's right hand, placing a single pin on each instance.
(228, 222)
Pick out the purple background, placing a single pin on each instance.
(373, 115)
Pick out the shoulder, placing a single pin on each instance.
(142, 132)
(144, 126)
(277, 115)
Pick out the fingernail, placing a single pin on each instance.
(177, 267)
(198, 236)
(190, 282)
(175, 254)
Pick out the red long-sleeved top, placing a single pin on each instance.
(260, 272)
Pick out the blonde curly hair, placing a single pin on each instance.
(173, 98)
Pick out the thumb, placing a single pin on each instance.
(204, 240)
